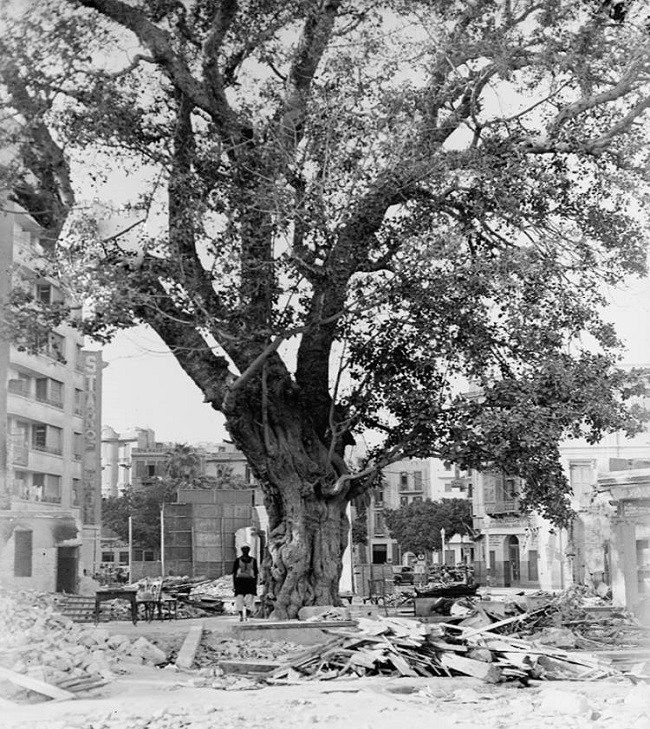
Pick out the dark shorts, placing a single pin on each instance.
(245, 586)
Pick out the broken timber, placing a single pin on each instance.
(35, 684)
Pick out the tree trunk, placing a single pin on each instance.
(307, 538)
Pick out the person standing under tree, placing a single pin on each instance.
(244, 575)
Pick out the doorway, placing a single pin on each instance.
(67, 566)
(513, 558)
(379, 553)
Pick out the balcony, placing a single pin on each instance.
(502, 506)
(55, 403)
(30, 495)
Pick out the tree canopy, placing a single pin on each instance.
(417, 526)
(361, 206)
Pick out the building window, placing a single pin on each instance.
(76, 492)
(510, 490)
(403, 481)
(108, 557)
(79, 358)
(20, 384)
(49, 391)
(47, 438)
(78, 401)
(417, 500)
(379, 496)
(47, 488)
(449, 486)
(380, 525)
(533, 575)
(124, 557)
(22, 554)
(151, 470)
(417, 480)
(77, 446)
(403, 500)
(39, 436)
(580, 475)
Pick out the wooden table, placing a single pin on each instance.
(117, 593)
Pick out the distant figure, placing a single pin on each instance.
(244, 576)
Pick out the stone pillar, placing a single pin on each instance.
(625, 591)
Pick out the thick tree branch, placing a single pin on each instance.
(159, 43)
(316, 34)
(49, 200)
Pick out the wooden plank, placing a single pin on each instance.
(485, 671)
(35, 684)
(401, 665)
(501, 623)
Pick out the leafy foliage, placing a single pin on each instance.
(417, 526)
(144, 508)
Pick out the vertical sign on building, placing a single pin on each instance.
(91, 511)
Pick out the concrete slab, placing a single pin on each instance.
(291, 630)
(186, 655)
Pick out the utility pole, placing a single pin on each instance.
(442, 539)
(130, 549)
(162, 540)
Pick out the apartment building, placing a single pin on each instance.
(50, 424)
(405, 482)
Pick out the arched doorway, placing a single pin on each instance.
(513, 559)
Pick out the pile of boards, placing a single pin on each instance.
(403, 647)
(573, 618)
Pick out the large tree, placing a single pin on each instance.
(366, 204)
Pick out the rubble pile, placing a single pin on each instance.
(574, 618)
(402, 647)
(37, 641)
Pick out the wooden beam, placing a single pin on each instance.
(35, 684)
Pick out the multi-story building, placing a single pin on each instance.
(149, 463)
(515, 549)
(219, 461)
(223, 461)
(117, 451)
(405, 482)
(50, 424)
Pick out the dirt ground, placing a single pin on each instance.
(165, 699)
